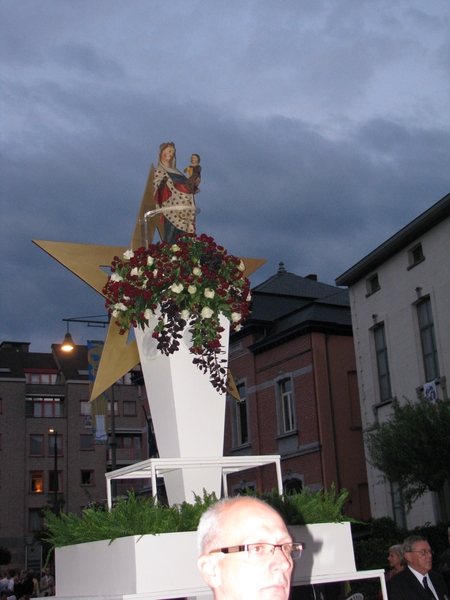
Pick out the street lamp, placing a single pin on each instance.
(68, 344)
(55, 469)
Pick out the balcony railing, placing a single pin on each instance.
(130, 454)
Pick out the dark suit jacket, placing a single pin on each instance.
(405, 586)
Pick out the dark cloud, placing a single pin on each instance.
(296, 168)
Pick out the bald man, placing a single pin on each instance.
(246, 551)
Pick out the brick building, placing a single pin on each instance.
(43, 391)
(294, 366)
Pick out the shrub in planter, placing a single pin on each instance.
(140, 516)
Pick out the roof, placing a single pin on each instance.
(423, 223)
(20, 363)
(287, 305)
(10, 365)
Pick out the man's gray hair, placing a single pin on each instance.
(210, 526)
(411, 540)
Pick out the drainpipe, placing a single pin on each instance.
(333, 421)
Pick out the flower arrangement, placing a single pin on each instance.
(188, 283)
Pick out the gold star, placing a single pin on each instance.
(86, 261)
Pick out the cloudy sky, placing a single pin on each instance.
(323, 127)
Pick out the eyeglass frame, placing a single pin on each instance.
(422, 552)
(245, 547)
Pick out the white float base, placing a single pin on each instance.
(165, 566)
(188, 413)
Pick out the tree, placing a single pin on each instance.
(413, 449)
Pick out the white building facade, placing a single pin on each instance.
(400, 304)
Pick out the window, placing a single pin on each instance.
(36, 445)
(415, 256)
(86, 442)
(35, 519)
(116, 409)
(37, 482)
(292, 484)
(372, 284)
(384, 379)
(44, 407)
(41, 378)
(87, 477)
(51, 445)
(85, 408)
(128, 447)
(287, 412)
(129, 409)
(428, 340)
(398, 505)
(125, 380)
(241, 416)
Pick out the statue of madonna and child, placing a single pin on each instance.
(174, 192)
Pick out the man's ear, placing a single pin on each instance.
(209, 567)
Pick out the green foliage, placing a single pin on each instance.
(140, 516)
(300, 508)
(413, 447)
(375, 538)
(133, 516)
(5, 556)
(372, 540)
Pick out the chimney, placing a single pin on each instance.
(281, 268)
(312, 276)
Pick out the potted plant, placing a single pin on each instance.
(129, 552)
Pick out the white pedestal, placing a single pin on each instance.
(164, 566)
(187, 411)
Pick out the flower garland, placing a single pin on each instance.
(190, 282)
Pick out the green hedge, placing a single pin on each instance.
(372, 540)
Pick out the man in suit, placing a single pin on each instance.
(417, 581)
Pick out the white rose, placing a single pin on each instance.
(116, 277)
(185, 314)
(175, 248)
(120, 306)
(115, 313)
(249, 297)
(192, 289)
(135, 271)
(197, 271)
(241, 266)
(235, 317)
(176, 288)
(148, 314)
(209, 293)
(128, 254)
(206, 313)
(150, 261)
(125, 298)
(238, 327)
(155, 272)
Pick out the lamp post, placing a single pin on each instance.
(55, 470)
(93, 321)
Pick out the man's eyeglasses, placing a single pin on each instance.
(422, 552)
(263, 550)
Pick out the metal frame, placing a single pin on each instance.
(155, 467)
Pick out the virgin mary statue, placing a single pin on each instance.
(173, 195)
